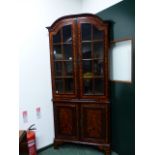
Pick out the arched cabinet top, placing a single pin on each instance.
(82, 17)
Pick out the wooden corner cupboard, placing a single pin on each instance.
(79, 46)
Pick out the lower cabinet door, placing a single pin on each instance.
(66, 121)
(94, 123)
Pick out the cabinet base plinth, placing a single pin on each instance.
(107, 152)
(106, 149)
(57, 144)
(102, 147)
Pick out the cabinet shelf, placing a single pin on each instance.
(70, 60)
(63, 43)
(90, 41)
(93, 77)
(63, 60)
(93, 59)
(63, 77)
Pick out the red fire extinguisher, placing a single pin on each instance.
(31, 140)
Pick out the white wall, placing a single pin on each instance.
(35, 82)
(95, 6)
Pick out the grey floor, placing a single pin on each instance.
(73, 149)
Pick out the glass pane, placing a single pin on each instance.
(98, 88)
(57, 52)
(97, 34)
(68, 68)
(58, 86)
(86, 50)
(58, 69)
(69, 85)
(87, 68)
(86, 31)
(68, 51)
(57, 38)
(98, 50)
(98, 67)
(87, 86)
(67, 34)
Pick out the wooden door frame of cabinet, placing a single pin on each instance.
(53, 31)
(104, 27)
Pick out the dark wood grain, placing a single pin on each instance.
(93, 122)
(66, 120)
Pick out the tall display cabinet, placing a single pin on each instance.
(79, 47)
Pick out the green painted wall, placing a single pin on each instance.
(122, 19)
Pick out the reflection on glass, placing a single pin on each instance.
(98, 88)
(98, 67)
(87, 86)
(58, 86)
(69, 85)
(98, 50)
(87, 68)
(58, 68)
(57, 38)
(86, 31)
(57, 52)
(97, 34)
(68, 68)
(68, 51)
(86, 50)
(67, 35)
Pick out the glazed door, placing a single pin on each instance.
(94, 123)
(66, 121)
(93, 56)
(63, 59)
